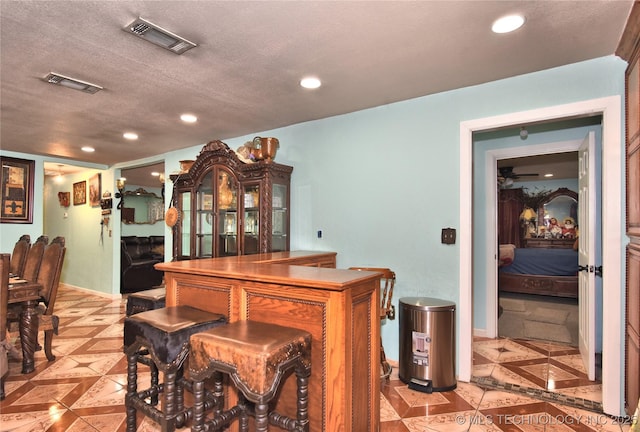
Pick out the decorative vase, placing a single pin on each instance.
(269, 148)
(265, 148)
(185, 165)
(225, 194)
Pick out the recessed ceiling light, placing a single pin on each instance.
(310, 83)
(188, 118)
(88, 149)
(130, 135)
(548, 175)
(159, 36)
(72, 83)
(155, 174)
(507, 24)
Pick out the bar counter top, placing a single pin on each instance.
(276, 267)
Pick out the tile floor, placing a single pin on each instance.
(83, 389)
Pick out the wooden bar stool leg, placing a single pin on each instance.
(179, 395)
(169, 395)
(132, 389)
(262, 417)
(155, 380)
(198, 407)
(243, 418)
(302, 377)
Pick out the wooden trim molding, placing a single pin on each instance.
(630, 40)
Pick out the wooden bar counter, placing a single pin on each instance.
(340, 308)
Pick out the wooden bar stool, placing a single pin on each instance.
(146, 300)
(140, 302)
(165, 334)
(256, 356)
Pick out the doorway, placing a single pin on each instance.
(537, 283)
(612, 181)
(140, 199)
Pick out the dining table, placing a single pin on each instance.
(26, 294)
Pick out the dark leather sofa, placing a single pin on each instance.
(138, 255)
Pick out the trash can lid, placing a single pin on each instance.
(428, 304)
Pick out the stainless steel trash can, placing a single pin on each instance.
(427, 344)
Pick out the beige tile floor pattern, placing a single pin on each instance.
(83, 389)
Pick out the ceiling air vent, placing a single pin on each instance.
(72, 83)
(159, 36)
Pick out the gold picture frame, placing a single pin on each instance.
(95, 190)
(80, 193)
(17, 190)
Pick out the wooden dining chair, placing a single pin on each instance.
(34, 259)
(387, 310)
(19, 255)
(5, 261)
(49, 279)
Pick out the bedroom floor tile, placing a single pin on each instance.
(83, 389)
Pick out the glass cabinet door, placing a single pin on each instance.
(251, 229)
(227, 215)
(184, 205)
(204, 219)
(279, 226)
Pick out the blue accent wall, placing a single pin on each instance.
(381, 183)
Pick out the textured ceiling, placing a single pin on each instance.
(243, 76)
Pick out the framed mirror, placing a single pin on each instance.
(142, 207)
(558, 214)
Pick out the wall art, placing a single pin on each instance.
(95, 193)
(80, 193)
(17, 190)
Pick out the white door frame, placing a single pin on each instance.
(612, 246)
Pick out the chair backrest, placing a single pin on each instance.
(387, 282)
(60, 240)
(34, 259)
(4, 293)
(125, 257)
(49, 274)
(19, 255)
(131, 245)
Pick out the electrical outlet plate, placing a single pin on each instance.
(448, 235)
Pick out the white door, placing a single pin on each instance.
(586, 254)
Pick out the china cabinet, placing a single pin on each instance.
(230, 207)
(629, 50)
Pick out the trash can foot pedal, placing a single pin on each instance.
(421, 386)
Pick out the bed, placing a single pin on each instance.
(551, 272)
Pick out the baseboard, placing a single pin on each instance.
(93, 292)
(479, 332)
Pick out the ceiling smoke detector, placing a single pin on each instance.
(72, 83)
(159, 36)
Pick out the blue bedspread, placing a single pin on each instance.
(548, 262)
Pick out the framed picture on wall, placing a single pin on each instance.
(64, 198)
(94, 190)
(17, 190)
(80, 193)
